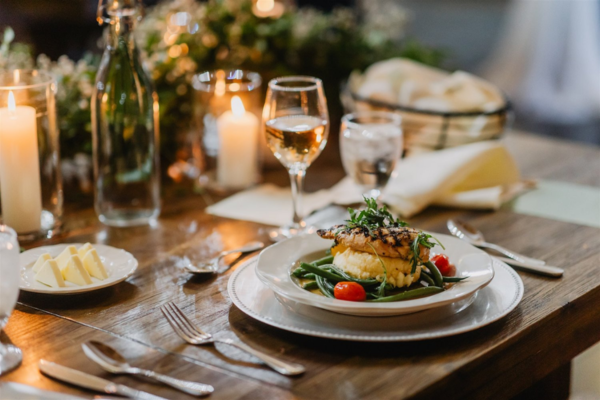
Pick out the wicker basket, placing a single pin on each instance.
(426, 131)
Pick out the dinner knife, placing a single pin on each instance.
(82, 379)
(546, 270)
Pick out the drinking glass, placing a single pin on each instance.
(296, 126)
(10, 356)
(370, 146)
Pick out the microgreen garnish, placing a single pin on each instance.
(423, 240)
(372, 217)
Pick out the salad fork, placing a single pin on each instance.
(186, 330)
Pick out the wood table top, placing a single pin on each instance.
(556, 320)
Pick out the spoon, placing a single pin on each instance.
(112, 361)
(464, 231)
(211, 266)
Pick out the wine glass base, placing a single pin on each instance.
(10, 358)
(286, 232)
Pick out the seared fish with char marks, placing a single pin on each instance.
(390, 241)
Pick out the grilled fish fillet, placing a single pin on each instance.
(387, 242)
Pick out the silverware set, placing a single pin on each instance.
(112, 361)
(463, 230)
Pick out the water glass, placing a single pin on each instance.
(370, 145)
(10, 356)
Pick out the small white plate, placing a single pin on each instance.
(276, 262)
(490, 304)
(119, 265)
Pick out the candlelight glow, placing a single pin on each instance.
(12, 106)
(237, 107)
(265, 5)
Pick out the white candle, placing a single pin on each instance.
(237, 165)
(20, 187)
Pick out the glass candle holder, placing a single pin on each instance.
(31, 197)
(227, 109)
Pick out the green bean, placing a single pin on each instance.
(309, 275)
(437, 276)
(427, 278)
(311, 285)
(320, 272)
(323, 261)
(410, 294)
(298, 272)
(454, 278)
(322, 283)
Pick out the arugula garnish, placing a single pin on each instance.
(372, 218)
(423, 240)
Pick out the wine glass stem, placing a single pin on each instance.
(297, 181)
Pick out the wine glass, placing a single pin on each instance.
(370, 146)
(10, 356)
(296, 127)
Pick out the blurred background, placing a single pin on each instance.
(505, 41)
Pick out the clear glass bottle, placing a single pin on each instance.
(124, 125)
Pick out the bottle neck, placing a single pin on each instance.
(121, 31)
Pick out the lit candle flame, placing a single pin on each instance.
(265, 5)
(12, 106)
(237, 107)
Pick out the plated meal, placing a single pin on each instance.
(377, 258)
(74, 268)
(379, 263)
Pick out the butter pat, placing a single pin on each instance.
(75, 272)
(63, 258)
(40, 262)
(50, 275)
(93, 265)
(84, 249)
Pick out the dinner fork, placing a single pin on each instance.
(186, 330)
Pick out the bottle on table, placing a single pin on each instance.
(124, 125)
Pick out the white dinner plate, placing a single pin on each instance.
(490, 304)
(277, 261)
(119, 265)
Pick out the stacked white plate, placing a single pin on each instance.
(263, 289)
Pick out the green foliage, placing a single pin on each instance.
(226, 34)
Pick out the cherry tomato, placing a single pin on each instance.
(350, 291)
(442, 263)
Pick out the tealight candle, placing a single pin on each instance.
(237, 163)
(20, 187)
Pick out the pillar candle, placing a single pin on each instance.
(237, 162)
(20, 187)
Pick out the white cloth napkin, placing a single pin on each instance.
(481, 175)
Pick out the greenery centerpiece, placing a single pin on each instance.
(182, 37)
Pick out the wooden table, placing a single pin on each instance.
(557, 319)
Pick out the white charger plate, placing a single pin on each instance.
(490, 304)
(276, 262)
(119, 265)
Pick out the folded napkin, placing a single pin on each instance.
(481, 175)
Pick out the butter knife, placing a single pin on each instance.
(82, 379)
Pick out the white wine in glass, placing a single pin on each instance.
(296, 128)
(10, 356)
